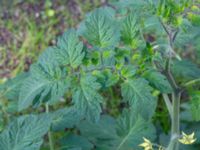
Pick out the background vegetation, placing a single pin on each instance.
(27, 27)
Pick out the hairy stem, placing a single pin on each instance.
(50, 137)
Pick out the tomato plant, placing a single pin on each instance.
(101, 86)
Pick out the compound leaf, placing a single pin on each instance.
(138, 93)
(86, 98)
(25, 133)
(100, 29)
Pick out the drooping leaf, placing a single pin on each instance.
(138, 93)
(158, 81)
(75, 142)
(65, 118)
(44, 84)
(69, 50)
(100, 29)
(25, 133)
(86, 99)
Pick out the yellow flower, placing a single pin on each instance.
(187, 139)
(147, 145)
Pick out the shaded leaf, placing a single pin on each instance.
(75, 142)
(65, 118)
(125, 133)
(195, 105)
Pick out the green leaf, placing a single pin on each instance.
(100, 29)
(10, 89)
(48, 57)
(65, 118)
(69, 50)
(44, 84)
(128, 71)
(185, 70)
(125, 133)
(131, 129)
(158, 81)
(138, 93)
(106, 78)
(86, 99)
(103, 134)
(130, 31)
(195, 105)
(75, 142)
(25, 133)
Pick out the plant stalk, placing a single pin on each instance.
(50, 137)
(176, 95)
(168, 104)
(175, 118)
(175, 124)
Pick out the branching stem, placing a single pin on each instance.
(174, 109)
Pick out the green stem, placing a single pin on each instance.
(7, 119)
(50, 137)
(168, 104)
(175, 117)
(191, 82)
(175, 132)
(101, 58)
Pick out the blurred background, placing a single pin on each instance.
(29, 26)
